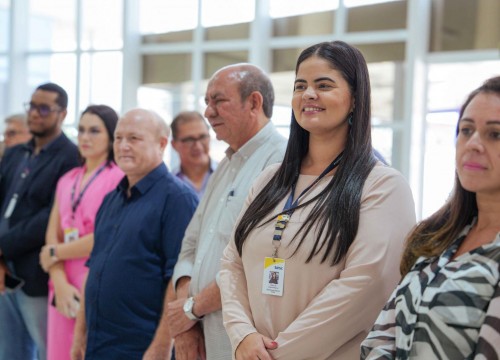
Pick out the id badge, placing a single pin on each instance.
(11, 207)
(274, 276)
(70, 234)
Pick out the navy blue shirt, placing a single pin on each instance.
(137, 241)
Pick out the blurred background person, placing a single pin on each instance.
(70, 232)
(330, 220)
(16, 130)
(28, 178)
(191, 140)
(448, 304)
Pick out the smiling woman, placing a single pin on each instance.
(448, 304)
(329, 223)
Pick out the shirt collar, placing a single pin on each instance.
(254, 143)
(178, 170)
(146, 182)
(30, 145)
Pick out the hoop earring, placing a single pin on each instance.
(349, 119)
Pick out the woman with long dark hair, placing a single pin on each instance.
(448, 304)
(70, 232)
(329, 221)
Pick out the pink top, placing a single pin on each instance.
(91, 199)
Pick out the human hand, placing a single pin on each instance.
(46, 261)
(67, 299)
(255, 346)
(79, 343)
(190, 345)
(158, 352)
(178, 322)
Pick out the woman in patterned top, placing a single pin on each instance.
(448, 304)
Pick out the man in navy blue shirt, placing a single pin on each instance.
(138, 234)
(28, 176)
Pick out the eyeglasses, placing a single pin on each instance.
(43, 109)
(190, 140)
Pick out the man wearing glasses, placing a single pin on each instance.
(16, 130)
(191, 140)
(28, 177)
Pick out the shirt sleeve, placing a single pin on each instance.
(381, 341)
(174, 227)
(185, 262)
(489, 335)
(348, 306)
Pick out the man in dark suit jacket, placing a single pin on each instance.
(28, 177)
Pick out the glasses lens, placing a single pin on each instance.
(43, 110)
(10, 133)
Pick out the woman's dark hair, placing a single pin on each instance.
(336, 211)
(436, 233)
(109, 117)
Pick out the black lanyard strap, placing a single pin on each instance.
(290, 205)
(76, 203)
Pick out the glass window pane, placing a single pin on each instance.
(465, 25)
(4, 24)
(308, 24)
(52, 25)
(382, 141)
(387, 16)
(101, 80)
(354, 3)
(159, 16)
(446, 93)
(228, 32)
(61, 69)
(215, 60)
(102, 24)
(166, 68)
(383, 91)
(3, 89)
(224, 12)
(284, 8)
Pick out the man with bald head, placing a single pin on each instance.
(138, 234)
(239, 102)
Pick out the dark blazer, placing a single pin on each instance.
(21, 244)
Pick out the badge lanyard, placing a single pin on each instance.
(22, 173)
(290, 205)
(76, 203)
(273, 278)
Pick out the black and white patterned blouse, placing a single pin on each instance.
(443, 309)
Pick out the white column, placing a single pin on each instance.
(415, 99)
(17, 88)
(132, 57)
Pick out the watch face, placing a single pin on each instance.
(188, 305)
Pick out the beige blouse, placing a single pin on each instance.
(325, 312)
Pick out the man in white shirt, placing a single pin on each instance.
(239, 102)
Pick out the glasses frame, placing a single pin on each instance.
(43, 110)
(191, 140)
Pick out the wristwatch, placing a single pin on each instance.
(188, 309)
(52, 253)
